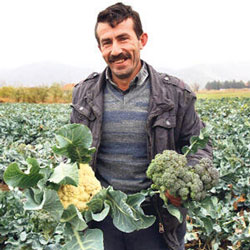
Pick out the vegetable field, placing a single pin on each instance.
(222, 222)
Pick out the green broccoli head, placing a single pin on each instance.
(169, 171)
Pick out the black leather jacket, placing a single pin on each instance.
(172, 118)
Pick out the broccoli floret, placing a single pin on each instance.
(181, 173)
(214, 174)
(206, 178)
(209, 174)
(208, 186)
(178, 184)
(183, 193)
(199, 169)
(195, 196)
(206, 163)
(188, 177)
(196, 188)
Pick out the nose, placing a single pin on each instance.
(116, 49)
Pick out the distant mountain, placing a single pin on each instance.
(46, 73)
(204, 73)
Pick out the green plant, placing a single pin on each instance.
(23, 229)
(171, 173)
(42, 184)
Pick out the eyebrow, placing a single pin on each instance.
(122, 35)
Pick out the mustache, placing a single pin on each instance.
(119, 57)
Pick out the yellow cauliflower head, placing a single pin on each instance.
(79, 196)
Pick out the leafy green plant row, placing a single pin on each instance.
(27, 130)
(227, 218)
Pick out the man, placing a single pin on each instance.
(134, 113)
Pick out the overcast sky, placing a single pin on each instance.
(181, 33)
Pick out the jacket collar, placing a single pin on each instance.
(159, 101)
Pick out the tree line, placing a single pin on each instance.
(53, 94)
(227, 85)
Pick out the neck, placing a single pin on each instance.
(122, 84)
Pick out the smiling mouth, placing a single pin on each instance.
(119, 61)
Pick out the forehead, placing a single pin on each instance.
(104, 30)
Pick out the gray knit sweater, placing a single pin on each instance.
(122, 156)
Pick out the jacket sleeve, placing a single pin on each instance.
(77, 102)
(74, 99)
(191, 126)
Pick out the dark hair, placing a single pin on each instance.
(117, 13)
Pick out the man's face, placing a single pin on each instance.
(120, 48)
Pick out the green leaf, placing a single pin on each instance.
(208, 224)
(175, 212)
(229, 178)
(208, 207)
(98, 207)
(52, 204)
(101, 215)
(185, 150)
(135, 201)
(74, 217)
(32, 202)
(74, 141)
(15, 177)
(124, 209)
(49, 202)
(91, 239)
(65, 174)
(38, 195)
(126, 212)
(97, 202)
(33, 162)
(197, 142)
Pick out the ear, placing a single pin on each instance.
(143, 40)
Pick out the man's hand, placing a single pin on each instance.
(176, 201)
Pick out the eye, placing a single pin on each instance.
(123, 38)
(106, 42)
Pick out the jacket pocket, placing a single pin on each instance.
(165, 121)
(164, 132)
(82, 114)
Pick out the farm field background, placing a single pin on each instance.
(28, 130)
(57, 93)
(227, 93)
